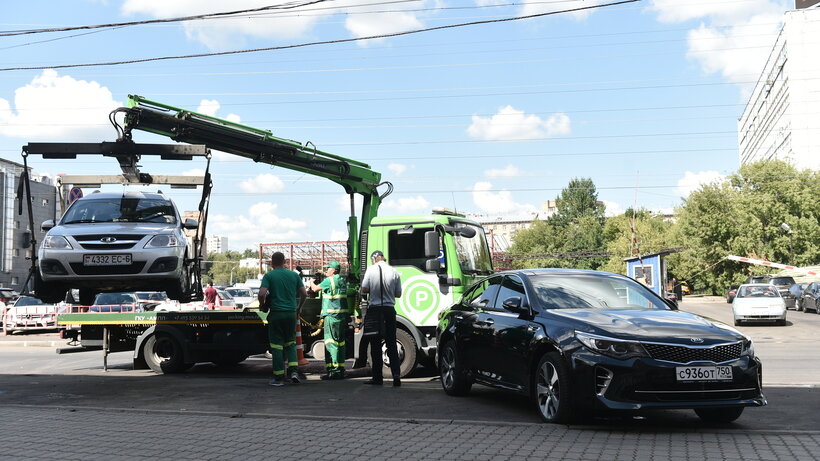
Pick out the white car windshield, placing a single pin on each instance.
(757, 292)
(122, 209)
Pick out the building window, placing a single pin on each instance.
(45, 202)
(16, 252)
(16, 224)
(15, 280)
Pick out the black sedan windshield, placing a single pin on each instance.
(582, 291)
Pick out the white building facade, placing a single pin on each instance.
(782, 118)
(217, 244)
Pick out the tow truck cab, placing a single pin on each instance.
(437, 257)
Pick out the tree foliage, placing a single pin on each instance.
(223, 268)
(745, 216)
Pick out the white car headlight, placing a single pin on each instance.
(56, 242)
(163, 241)
(748, 348)
(612, 347)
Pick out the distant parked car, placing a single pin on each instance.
(242, 296)
(116, 302)
(224, 300)
(759, 302)
(730, 293)
(150, 299)
(8, 296)
(810, 300)
(29, 313)
(783, 284)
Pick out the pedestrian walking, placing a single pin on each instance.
(336, 316)
(282, 295)
(210, 296)
(383, 284)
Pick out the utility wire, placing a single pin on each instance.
(323, 42)
(281, 6)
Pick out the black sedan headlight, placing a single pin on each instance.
(611, 347)
(748, 348)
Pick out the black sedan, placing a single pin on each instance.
(577, 341)
(810, 299)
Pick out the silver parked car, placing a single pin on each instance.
(124, 241)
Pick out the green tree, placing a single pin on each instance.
(745, 216)
(223, 268)
(569, 236)
(653, 235)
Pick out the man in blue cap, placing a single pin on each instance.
(336, 315)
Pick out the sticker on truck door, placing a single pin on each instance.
(421, 299)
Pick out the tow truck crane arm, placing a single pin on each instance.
(262, 146)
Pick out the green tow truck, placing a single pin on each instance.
(437, 255)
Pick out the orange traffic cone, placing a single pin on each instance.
(300, 348)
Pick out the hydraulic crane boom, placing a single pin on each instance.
(262, 146)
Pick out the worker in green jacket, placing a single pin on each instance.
(336, 316)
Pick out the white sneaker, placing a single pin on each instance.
(294, 378)
(276, 382)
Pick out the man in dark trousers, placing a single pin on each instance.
(336, 316)
(282, 295)
(383, 284)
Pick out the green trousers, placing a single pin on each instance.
(335, 345)
(282, 339)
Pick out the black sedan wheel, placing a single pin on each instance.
(719, 415)
(552, 389)
(453, 379)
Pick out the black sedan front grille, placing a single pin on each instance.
(685, 354)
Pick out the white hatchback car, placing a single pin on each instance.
(757, 302)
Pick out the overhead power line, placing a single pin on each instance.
(281, 6)
(322, 42)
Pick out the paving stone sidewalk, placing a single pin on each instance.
(46, 433)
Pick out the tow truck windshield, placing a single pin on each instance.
(473, 252)
(121, 210)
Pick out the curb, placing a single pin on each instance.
(33, 343)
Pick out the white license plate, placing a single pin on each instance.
(717, 373)
(107, 260)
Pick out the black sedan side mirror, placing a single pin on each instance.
(515, 305)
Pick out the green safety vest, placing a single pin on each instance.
(334, 296)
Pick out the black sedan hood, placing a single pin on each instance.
(649, 325)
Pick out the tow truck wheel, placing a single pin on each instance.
(50, 293)
(163, 354)
(87, 296)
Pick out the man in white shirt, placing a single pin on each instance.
(383, 284)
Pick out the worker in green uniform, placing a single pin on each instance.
(282, 294)
(336, 315)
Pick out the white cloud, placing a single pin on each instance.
(612, 209)
(693, 181)
(500, 202)
(732, 39)
(194, 172)
(510, 124)
(211, 106)
(54, 106)
(262, 183)
(336, 234)
(540, 6)
(397, 168)
(366, 25)
(509, 171)
(406, 205)
(224, 33)
(260, 224)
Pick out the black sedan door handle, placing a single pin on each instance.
(459, 317)
(485, 322)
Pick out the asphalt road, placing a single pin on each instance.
(36, 376)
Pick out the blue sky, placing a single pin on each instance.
(492, 119)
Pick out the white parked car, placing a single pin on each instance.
(28, 313)
(242, 296)
(757, 302)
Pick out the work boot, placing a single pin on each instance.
(396, 382)
(294, 378)
(276, 382)
(374, 382)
